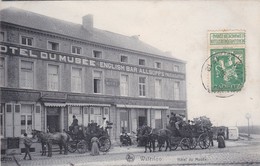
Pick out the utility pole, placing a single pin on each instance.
(248, 116)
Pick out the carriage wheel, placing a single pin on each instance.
(204, 142)
(105, 144)
(82, 146)
(185, 144)
(193, 143)
(72, 146)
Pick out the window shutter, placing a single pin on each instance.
(17, 120)
(9, 120)
(37, 117)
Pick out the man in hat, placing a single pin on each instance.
(179, 119)
(74, 124)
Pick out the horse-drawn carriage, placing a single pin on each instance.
(81, 138)
(187, 136)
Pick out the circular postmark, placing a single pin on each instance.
(130, 157)
(223, 72)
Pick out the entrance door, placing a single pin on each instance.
(53, 119)
(141, 120)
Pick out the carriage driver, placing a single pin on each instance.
(179, 119)
(173, 119)
(74, 124)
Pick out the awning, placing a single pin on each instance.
(141, 106)
(88, 104)
(55, 104)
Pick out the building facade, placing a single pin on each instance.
(51, 70)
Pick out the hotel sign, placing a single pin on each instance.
(14, 50)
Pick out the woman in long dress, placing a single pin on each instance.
(221, 139)
(94, 147)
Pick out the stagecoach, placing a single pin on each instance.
(81, 138)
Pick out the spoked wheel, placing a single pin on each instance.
(105, 144)
(204, 141)
(193, 143)
(72, 146)
(185, 144)
(82, 146)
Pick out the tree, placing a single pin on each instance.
(203, 121)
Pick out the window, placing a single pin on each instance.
(53, 77)
(28, 41)
(124, 86)
(53, 46)
(157, 65)
(176, 68)
(142, 62)
(97, 54)
(158, 119)
(1, 121)
(142, 83)
(76, 80)
(2, 71)
(96, 115)
(78, 113)
(124, 59)
(26, 77)
(97, 81)
(124, 121)
(76, 50)
(176, 90)
(26, 118)
(2, 36)
(158, 88)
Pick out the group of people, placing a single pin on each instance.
(176, 120)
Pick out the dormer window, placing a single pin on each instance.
(124, 59)
(53, 46)
(97, 54)
(76, 50)
(28, 41)
(158, 65)
(142, 62)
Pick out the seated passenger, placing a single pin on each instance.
(179, 121)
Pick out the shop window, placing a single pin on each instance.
(96, 115)
(76, 80)
(142, 85)
(142, 62)
(2, 36)
(158, 88)
(97, 54)
(53, 46)
(97, 81)
(1, 120)
(53, 77)
(124, 121)
(2, 71)
(158, 65)
(28, 41)
(124, 85)
(176, 90)
(27, 74)
(26, 119)
(124, 59)
(158, 119)
(76, 50)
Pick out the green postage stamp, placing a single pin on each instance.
(225, 65)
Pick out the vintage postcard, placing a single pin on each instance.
(129, 83)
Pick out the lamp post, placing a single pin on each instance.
(248, 116)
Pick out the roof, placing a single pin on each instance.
(40, 22)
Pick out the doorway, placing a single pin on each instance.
(53, 119)
(141, 120)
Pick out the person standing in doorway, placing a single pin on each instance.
(27, 144)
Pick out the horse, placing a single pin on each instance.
(59, 138)
(164, 135)
(148, 136)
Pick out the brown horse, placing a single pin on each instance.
(61, 139)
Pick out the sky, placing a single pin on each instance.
(179, 27)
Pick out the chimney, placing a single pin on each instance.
(87, 21)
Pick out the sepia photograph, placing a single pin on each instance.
(152, 82)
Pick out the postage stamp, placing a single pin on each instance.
(227, 69)
(223, 72)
